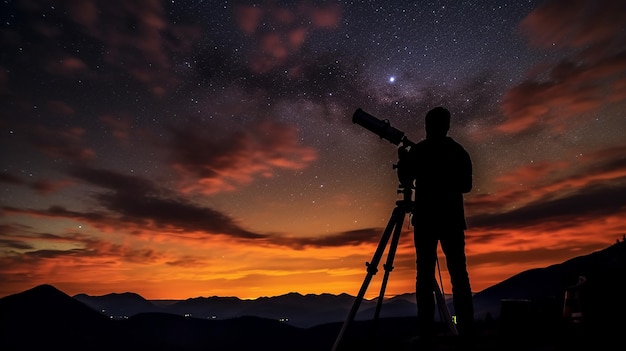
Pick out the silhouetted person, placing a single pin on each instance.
(442, 173)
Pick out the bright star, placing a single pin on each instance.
(392, 79)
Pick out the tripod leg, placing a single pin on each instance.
(444, 312)
(388, 268)
(372, 268)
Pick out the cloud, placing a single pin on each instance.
(43, 186)
(10, 178)
(248, 18)
(209, 164)
(280, 32)
(65, 143)
(60, 107)
(34, 256)
(68, 66)
(136, 37)
(591, 77)
(138, 201)
(138, 205)
(520, 257)
(576, 23)
(9, 243)
(120, 126)
(584, 189)
(590, 202)
(349, 238)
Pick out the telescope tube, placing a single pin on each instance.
(382, 128)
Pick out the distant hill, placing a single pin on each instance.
(45, 318)
(118, 306)
(542, 290)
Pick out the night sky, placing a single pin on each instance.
(180, 149)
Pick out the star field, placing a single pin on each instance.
(180, 149)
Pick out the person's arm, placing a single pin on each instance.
(466, 173)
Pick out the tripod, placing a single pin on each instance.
(393, 226)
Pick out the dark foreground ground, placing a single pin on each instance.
(44, 318)
(165, 333)
(527, 336)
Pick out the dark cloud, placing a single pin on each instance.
(10, 178)
(43, 186)
(517, 256)
(115, 181)
(46, 187)
(594, 201)
(14, 244)
(53, 254)
(138, 200)
(187, 262)
(80, 246)
(210, 163)
(552, 179)
(349, 238)
(607, 161)
(137, 38)
(67, 142)
(563, 192)
(572, 90)
(592, 77)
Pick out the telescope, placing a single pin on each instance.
(382, 128)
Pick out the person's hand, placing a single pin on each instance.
(403, 151)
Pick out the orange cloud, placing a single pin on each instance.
(326, 16)
(284, 31)
(67, 66)
(248, 17)
(575, 23)
(587, 188)
(209, 166)
(584, 82)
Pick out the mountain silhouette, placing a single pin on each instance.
(604, 276)
(524, 312)
(43, 316)
(117, 305)
(46, 318)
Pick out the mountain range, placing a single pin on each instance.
(532, 302)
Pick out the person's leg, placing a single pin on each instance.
(426, 253)
(453, 246)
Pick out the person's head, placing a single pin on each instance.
(437, 122)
